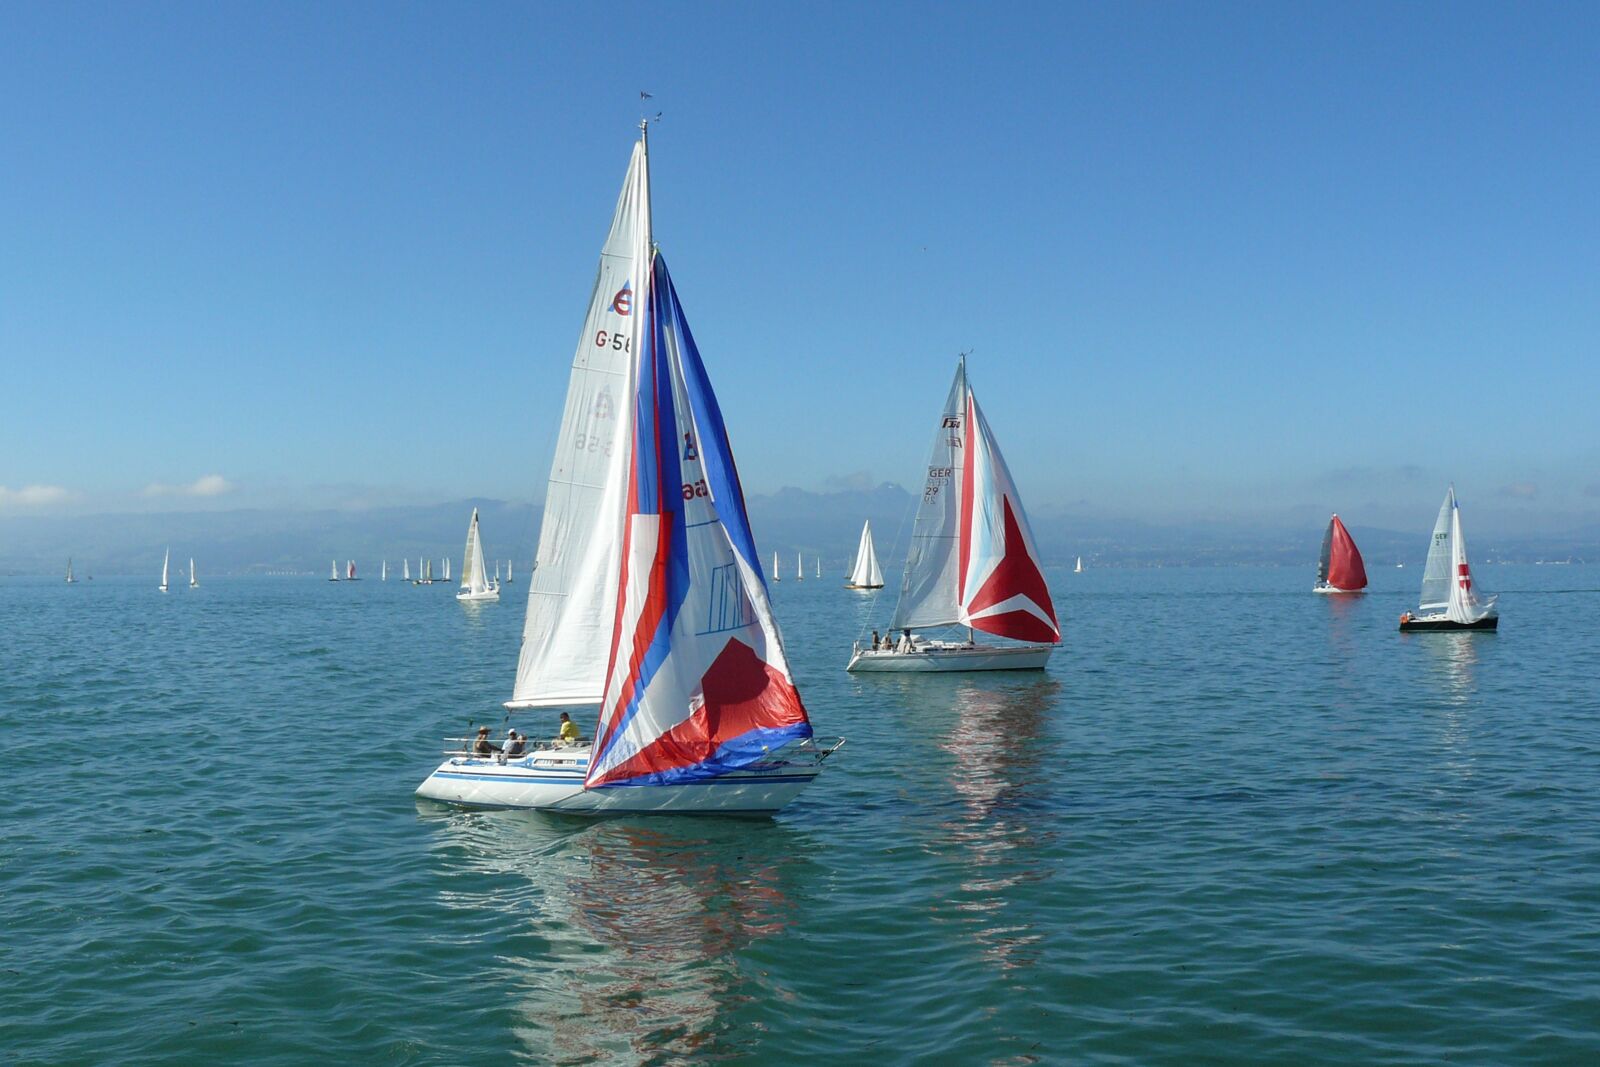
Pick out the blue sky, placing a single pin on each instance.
(1212, 260)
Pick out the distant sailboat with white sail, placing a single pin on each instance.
(865, 574)
(405, 569)
(973, 561)
(775, 575)
(164, 561)
(446, 577)
(1450, 600)
(333, 573)
(70, 579)
(645, 602)
(194, 579)
(799, 568)
(383, 572)
(475, 585)
(509, 578)
(1077, 568)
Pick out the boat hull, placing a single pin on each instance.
(1331, 590)
(534, 784)
(1440, 623)
(939, 658)
(848, 585)
(493, 594)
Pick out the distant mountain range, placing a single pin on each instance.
(826, 524)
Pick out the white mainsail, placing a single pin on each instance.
(447, 568)
(164, 561)
(775, 575)
(1077, 568)
(383, 572)
(333, 573)
(405, 569)
(70, 578)
(572, 596)
(799, 568)
(866, 574)
(194, 583)
(1436, 573)
(473, 578)
(928, 588)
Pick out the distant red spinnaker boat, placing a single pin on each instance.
(1340, 569)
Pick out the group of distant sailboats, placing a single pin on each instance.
(166, 563)
(1449, 600)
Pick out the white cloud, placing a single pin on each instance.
(33, 496)
(207, 485)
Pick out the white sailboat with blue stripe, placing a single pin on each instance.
(647, 597)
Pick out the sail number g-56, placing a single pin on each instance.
(619, 342)
(590, 442)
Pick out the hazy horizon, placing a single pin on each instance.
(1212, 266)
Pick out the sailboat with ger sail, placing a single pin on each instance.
(972, 562)
(865, 574)
(1339, 569)
(475, 584)
(1450, 600)
(646, 601)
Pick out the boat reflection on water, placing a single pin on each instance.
(1002, 823)
(1452, 658)
(631, 933)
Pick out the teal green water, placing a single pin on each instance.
(1233, 823)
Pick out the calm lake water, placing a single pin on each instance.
(1233, 822)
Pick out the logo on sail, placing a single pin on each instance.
(622, 303)
(689, 452)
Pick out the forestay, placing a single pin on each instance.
(698, 683)
(573, 589)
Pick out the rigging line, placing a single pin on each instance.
(872, 605)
